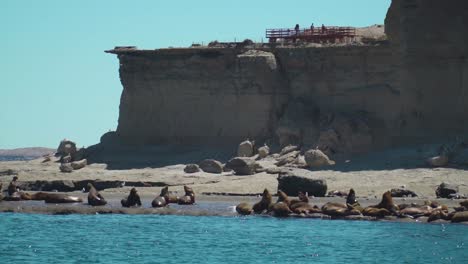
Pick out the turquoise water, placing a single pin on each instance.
(32, 238)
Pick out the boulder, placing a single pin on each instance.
(79, 154)
(293, 181)
(66, 147)
(438, 161)
(402, 193)
(263, 152)
(76, 165)
(316, 158)
(287, 158)
(243, 166)
(245, 149)
(66, 159)
(66, 167)
(211, 166)
(444, 190)
(288, 149)
(191, 168)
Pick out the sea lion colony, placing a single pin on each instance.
(351, 209)
(283, 207)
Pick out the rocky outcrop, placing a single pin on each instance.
(243, 166)
(316, 158)
(343, 99)
(293, 181)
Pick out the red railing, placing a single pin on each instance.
(312, 34)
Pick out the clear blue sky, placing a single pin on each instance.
(56, 81)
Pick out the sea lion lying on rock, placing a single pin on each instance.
(458, 217)
(94, 197)
(281, 207)
(188, 198)
(339, 209)
(160, 201)
(302, 205)
(264, 204)
(133, 199)
(385, 208)
(244, 209)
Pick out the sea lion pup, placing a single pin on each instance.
(302, 206)
(244, 209)
(264, 204)
(133, 199)
(160, 201)
(94, 197)
(384, 208)
(188, 198)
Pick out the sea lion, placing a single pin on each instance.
(1, 191)
(188, 198)
(339, 209)
(244, 209)
(12, 187)
(61, 198)
(280, 209)
(283, 197)
(133, 199)
(384, 208)
(160, 201)
(94, 197)
(302, 205)
(460, 217)
(263, 204)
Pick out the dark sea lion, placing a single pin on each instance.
(188, 198)
(12, 187)
(94, 197)
(464, 203)
(133, 199)
(351, 198)
(244, 209)
(264, 204)
(160, 201)
(1, 191)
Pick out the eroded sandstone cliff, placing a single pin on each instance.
(341, 98)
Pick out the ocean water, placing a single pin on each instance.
(33, 238)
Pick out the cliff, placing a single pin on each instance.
(342, 98)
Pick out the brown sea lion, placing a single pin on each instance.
(160, 201)
(61, 198)
(189, 197)
(133, 199)
(170, 198)
(302, 206)
(339, 209)
(384, 208)
(283, 197)
(244, 209)
(460, 217)
(94, 197)
(264, 204)
(280, 209)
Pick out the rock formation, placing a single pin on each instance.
(343, 99)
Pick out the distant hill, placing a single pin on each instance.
(26, 152)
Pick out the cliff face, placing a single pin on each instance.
(431, 38)
(198, 96)
(344, 99)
